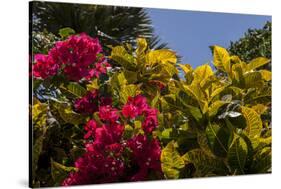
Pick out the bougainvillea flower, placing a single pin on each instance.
(87, 104)
(129, 110)
(135, 106)
(146, 154)
(95, 168)
(76, 57)
(44, 67)
(90, 127)
(107, 113)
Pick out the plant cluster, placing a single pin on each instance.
(139, 120)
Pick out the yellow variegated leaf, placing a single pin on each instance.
(222, 59)
(254, 125)
(235, 59)
(260, 108)
(141, 51)
(202, 73)
(237, 155)
(141, 46)
(204, 164)
(93, 85)
(126, 91)
(118, 80)
(122, 57)
(196, 92)
(256, 63)
(68, 115)
(185, 67)
(171, 161)
(214, 107)
(266, 75)
(161, 56)
(39, 113)
(253, 80)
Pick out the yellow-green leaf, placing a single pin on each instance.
(254, 125)
(202, 73)
(68, 115)
(161, 56)
(185, 67)
(93, 85)
(260, 108)
(59, 172)
(266, 75)
(122, 57)
(214, 107)
(171, 161)
(237, 155)
(126, 91)
(222, 59)
(256, 63)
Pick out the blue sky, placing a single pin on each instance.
(190, 33)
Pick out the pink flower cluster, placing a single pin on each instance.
(89, 103)
(111, 158)
(138, 106)
(77, 57)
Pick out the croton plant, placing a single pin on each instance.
(137, 114)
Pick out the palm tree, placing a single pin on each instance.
(113, 24)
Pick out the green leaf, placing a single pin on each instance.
(36, 151)
(202, 73)
(59, 172)
(127, 91)
(76, 89)
(204, 164)
(256, 63)
(266, 75)
(162, 56)
(123, 58)
(237, 155)
(118, 80)
(218, 138)
(171, 161)
(222, 59)
(68, 115)
(254, 125)
(185, 67)
(141, 48)
(166, 133)
(93, 85)
(131, 76)
(262, 161)
(253, 80)
(214, 107)
(65, 32)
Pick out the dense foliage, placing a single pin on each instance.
(255, 43)
(95, 123)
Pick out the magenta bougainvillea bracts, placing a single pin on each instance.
(109, 156)
(138, 106)
(77, 57)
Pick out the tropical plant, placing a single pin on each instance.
(139, 120)
(113, 24)
(255, 43)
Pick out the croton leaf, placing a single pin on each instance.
(237, 155)
(204, 164)
(256, 63)
(254, 125)
(218, 138)
(161, 56)
(222, 59)
(171, 161)
(59, 172)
